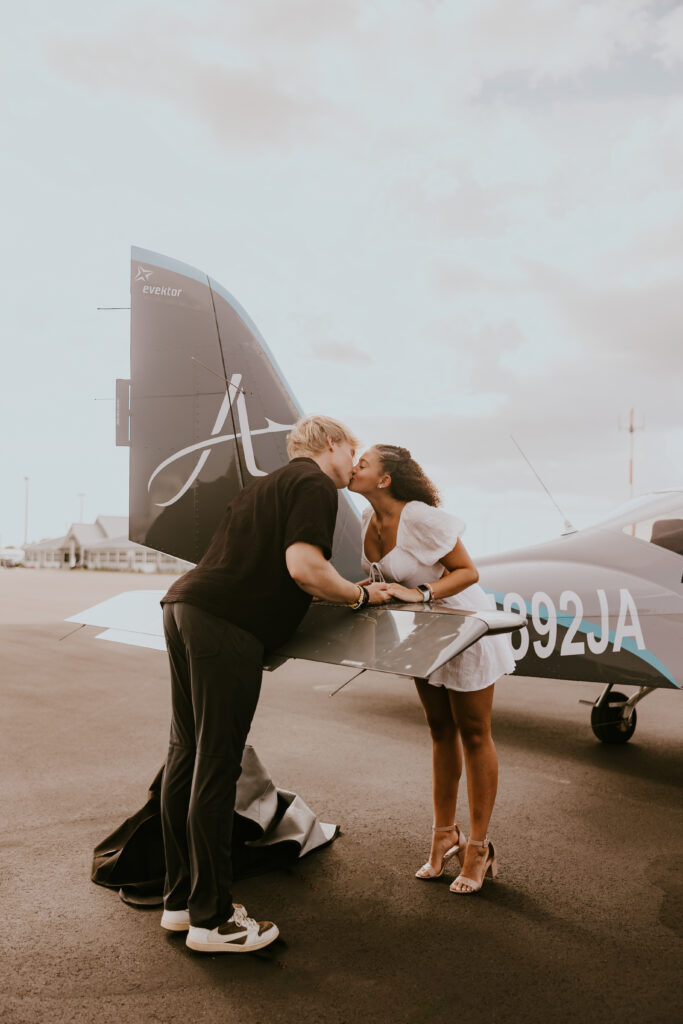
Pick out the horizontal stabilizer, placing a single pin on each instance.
(124, 636)
(134, 611)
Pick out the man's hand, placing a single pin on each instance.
(379, 592)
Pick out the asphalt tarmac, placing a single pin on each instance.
(584, 922)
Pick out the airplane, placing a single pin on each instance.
(207, 409)
(605, 605)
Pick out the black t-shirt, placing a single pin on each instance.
(243, 575)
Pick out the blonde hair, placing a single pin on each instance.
(309, 436)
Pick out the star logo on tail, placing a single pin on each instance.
(143, 274)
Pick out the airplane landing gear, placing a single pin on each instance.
(613, 718)
(610, 721)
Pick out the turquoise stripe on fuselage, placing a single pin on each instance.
(628, 643)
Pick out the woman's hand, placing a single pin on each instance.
(379, 593)
(409, 594)
(364, 583)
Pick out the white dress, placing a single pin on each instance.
(425, 535)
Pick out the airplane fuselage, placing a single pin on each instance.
(603, 606)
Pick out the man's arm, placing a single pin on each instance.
(311, 571)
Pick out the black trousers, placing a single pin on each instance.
(216, 670)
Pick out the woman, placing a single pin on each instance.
(411, 542)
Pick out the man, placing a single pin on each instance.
(267, 559)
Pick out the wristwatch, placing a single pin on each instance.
(426, 592)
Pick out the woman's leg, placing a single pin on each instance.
(446, 764)
(472, 711)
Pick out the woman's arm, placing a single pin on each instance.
(461, 574)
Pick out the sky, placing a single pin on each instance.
(452, 222)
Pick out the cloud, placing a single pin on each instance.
(633, 328)
(613, 349)
(243, 101)
(295, 23)
(639, 75)
(457, 276)
(669, 38)
(657, 251)
(584, 459)
(340, 352)
(270, 74)
(557, 40)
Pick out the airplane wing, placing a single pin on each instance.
(403, 639)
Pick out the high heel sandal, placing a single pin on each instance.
(427, 872)
(491, 868)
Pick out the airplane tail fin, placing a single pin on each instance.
(206, 411)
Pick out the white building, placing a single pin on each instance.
(103, 544)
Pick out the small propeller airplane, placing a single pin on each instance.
(605, 605)
(207, 409)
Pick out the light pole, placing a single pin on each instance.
(25, 511)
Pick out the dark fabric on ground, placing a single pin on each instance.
(131, 859)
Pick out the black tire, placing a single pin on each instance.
(609, 723)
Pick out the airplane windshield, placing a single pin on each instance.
(666, 531)
(655, 518)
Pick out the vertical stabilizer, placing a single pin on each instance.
(209, 411)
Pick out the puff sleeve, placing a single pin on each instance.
(428, 533)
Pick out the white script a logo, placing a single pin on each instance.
(203, 448)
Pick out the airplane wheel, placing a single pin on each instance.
(609, 723)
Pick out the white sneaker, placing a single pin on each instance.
(239, 934)
(175, 920)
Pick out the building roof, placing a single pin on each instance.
(84, 533)
(113, 526)
(115, 543)
(46, 544)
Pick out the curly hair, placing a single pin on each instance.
(408, 480)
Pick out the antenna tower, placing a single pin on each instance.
(631, 431)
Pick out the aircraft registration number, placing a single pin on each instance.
(545, 618)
